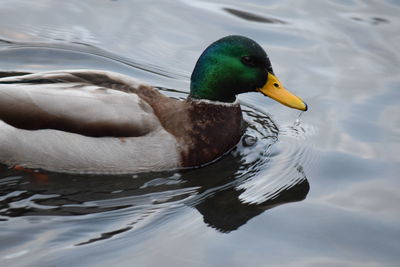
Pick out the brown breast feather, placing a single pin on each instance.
(204, 131)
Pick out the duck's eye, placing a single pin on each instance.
(249, 61)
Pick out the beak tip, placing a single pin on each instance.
(306, 107)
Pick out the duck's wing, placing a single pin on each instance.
(92, 103)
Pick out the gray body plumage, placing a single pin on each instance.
(89, 101)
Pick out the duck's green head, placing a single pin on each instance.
(235, 65)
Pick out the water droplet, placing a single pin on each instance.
(298, 120)
(249, 140)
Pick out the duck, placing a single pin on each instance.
(101, 122)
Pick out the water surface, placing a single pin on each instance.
(310, 191)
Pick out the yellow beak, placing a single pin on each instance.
(274, 89)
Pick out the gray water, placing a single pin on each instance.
(320, 189)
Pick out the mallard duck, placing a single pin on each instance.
(91, 121)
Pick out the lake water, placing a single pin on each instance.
(316, 189)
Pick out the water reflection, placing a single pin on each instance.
(216, 198)
(372, 21)
(225, 211)
(252, 17)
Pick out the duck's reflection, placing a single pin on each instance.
(226, 212)
(212, 190)
(219, 195)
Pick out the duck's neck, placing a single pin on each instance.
(205, 89)
(212, 77)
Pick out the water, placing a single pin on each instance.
(320, 189)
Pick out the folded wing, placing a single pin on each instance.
(91, 103)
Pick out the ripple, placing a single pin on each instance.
(65, 51)
(281, 162)
(252, 17)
